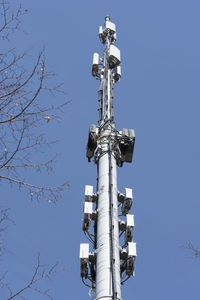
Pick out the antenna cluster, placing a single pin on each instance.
(114, 53)
(107, 222)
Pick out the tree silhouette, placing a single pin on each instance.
(22, 109)
(24, 80)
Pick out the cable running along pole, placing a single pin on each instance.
(109, 265)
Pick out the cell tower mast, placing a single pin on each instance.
(109, 265)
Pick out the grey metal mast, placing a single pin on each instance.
(109, 265)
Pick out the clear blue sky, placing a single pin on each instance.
(158, 96)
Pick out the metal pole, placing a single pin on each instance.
(110, 148)
(107, 256)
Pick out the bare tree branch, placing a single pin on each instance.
(4, 219)
(10, 20)
(16, 150)
(22, 109)
(41, 272)
(191, 247)
(50, 194)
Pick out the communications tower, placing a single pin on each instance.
(107, 222)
